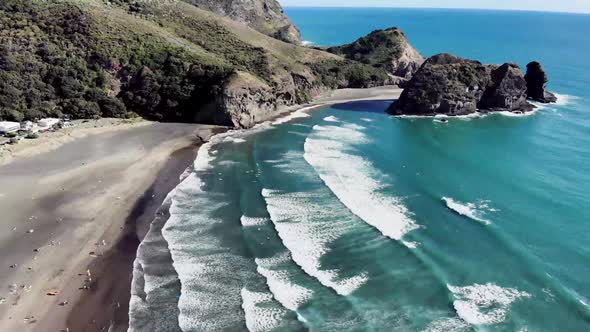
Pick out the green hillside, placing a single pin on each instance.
(162, 60)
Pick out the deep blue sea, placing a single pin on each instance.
(348, 219)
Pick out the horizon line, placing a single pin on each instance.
(443, 8)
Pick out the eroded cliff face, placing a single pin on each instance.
(447, 84)
(388, 49)
(246, 100)
(266, 16)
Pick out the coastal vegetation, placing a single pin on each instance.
(387, 50)
(166, 61)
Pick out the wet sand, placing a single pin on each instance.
(69, 221)
(89, 200)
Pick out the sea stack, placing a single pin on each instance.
(450, 85)
(536, 81)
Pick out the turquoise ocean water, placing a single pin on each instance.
(348, 219)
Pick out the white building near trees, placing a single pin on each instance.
(9, 127)
(48, 122)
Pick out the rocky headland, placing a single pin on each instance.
(387, 50)
(450, 85)
(228, 62)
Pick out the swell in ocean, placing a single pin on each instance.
(295, 225)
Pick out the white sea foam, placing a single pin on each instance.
(516, 115)
(290, 295)
(153, 296)
(250, 221)
(367, 120)
(469, 210)
(308, 222)
(331, 118)
(484, 304)
(231, 139)
(353, 179)
(563, 99)
(298, 219)
(442, 116)
(475, 115)
(210, 297)
(307, 43)
(298, 114)
(448, 325)
(150, 304)
(260, 313)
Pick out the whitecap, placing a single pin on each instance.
(353, 179)
(484, 304)
(308, 222)
(297, 219)
(290, 295)
(259, 312)
(331, 118)
(469, 210)
(251, 221)
(307, 43)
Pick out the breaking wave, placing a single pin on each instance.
(290, 295)
(469, 210)
(298, 220)
(352, 179)
(484, 304)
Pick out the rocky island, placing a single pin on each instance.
(450, 85)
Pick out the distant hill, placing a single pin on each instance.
(266, 16)
(387, 49)
(163, 60)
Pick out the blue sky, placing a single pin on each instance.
(578, 6)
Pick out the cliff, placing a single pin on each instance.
(162, 60)
(266, 16)
(447, 84)
(387, 50)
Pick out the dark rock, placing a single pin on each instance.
(536, 80)
(507, 91)
(447, 84)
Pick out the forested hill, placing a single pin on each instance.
(163, 60)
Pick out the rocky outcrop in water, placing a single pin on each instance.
(506, 91)
(447, 84)
(536, 80)
(266, 16)
(388, 49)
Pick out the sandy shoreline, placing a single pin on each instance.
(62, 205)
(61, 191)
